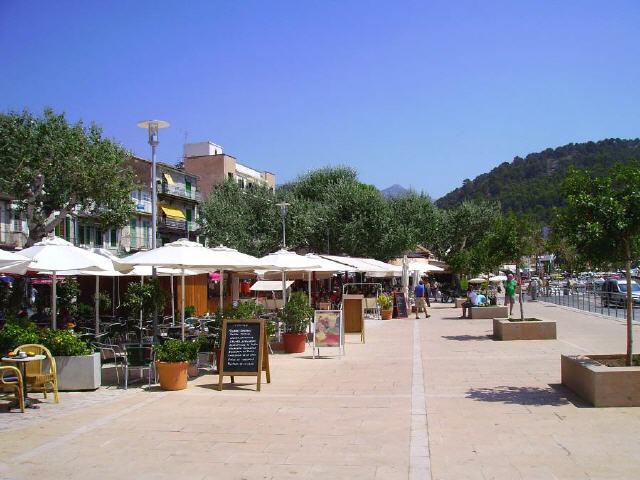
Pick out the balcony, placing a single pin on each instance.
(175, 224)
(180, 191)
(142, 206)
(140, 242)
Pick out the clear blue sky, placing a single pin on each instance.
(420, 93)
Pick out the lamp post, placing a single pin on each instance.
(283, 213)
(153, 126)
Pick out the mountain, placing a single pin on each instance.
(395, 190)
(531, 185)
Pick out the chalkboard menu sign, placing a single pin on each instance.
(400, 305)
(244, 350)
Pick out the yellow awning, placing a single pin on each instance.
(173, 212)
(168, 178)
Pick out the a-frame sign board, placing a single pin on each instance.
(244, 351)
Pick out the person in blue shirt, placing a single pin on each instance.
(421, 303)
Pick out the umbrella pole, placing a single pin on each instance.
(309, 285)
(141, 283)
(54, 321)
(173, 307)
(182, 301)
(284, 288)
(221, 305)
(97, 306)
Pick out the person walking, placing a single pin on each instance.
(419, 293)
(510, 292)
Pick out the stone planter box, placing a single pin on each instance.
(600, 385)
(488, 312)
(503, 329)
(79, 373)
(459, 302)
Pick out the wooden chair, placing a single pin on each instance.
(37, 379)
(10, 377)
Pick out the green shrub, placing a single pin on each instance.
(62, 343)
(297, 313)
(177, 351)
(17, 332)
(189, 311)
(384, 301)
(84, 311)
(104, 301)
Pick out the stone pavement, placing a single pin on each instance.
(435, 398)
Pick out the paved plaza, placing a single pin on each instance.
(434, 398)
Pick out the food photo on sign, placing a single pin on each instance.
(328, 331)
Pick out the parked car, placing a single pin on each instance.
(614, 293)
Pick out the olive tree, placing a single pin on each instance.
(53, 168)
(602, 219)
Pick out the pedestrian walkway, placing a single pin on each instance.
(434, 398)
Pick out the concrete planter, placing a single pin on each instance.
(600, 385)
(488, 312)
(503, 329)
(79, 373)
(459, 302)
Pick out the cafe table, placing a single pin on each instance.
(22, 362)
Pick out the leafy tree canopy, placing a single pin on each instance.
(53, 167)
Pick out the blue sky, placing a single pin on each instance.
(422, 93)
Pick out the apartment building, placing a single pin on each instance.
(208, 161)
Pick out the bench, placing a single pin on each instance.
(493, 311)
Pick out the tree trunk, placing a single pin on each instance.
(629, 307)
(520, 293)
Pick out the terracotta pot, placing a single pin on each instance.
(173, 375)
(386, 314)
(294, 342)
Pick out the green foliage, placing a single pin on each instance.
(174, 350)
(145, 297)
(17, 332)
(104, 301)
(297, 313)
(84, 311)
(64, 343)
(52, 166)
(189, 311)
(330, 211)
(68, 292)
(531, 185)
(385, 301)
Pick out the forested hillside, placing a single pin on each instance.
(531, 184)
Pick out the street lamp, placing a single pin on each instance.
(283, 213)
(153, 126)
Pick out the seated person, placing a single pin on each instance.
(472, 300)
(482, 300)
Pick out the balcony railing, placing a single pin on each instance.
(142, 206)
(175, 224)
(180, 191)
(140, 242)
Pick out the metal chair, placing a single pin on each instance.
(110, 353)
(138, 357)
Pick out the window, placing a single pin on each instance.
(230, 175)
(132, 232)
(188, 214)
(81, 235)
(187, 187)
(99, 240)
(113, 238)
(145, 233)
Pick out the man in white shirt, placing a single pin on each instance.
(472, 300)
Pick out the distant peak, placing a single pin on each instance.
(395, 190)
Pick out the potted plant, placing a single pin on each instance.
(16, 332)
(296, 316)
(172, 362)
(78, 366)
(386, 307)
(189, 311)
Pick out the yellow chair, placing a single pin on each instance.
(36, 377)
(15, 385)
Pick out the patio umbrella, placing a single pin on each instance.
(477, 280)
(284, 261)
(14, 261)
(53, 255)
(185, 255)
(498, 278)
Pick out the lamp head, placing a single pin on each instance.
(153, 126)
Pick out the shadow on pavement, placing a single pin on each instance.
(555, 395)
(230, 386)
(468, 338)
